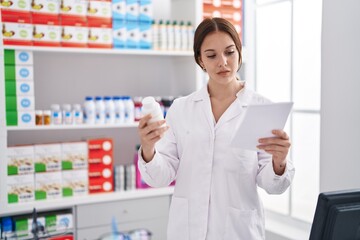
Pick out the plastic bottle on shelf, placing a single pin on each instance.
(170, 35)
(162, 36)
(89, 110)
(155, 35)
(109, 110)
(56, 115)
(177, 36)
(190, 35)
(47, 117)
(129, 109)
(78, 116)
(184, 36)
(67, 114)
(119, 109)
(99, 110)
(137, 108)
(152, 107)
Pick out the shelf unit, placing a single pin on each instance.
(67, 75)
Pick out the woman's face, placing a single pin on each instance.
(220, 58)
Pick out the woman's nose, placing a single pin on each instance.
(222, 61)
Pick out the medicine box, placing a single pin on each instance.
(18, 57)
(100, 185)
(47, 157)
(19, 88)
(132, 35)
(48, 185)
(101, 145)
(46, 35)
(132, 10)
(74, 36)
(145, 39)
(146, 11)
(73, 12)
(20, 160)
(45, 11)
(100, 172)
(19, 72)
(64, 222)
(17, 33)
(74, 183)
(99, 14)
(100, 37)
(74, 155)
(20, 188)
(20, 103)
(24, 226)
(20, 118)
(119, 33)
(118, 9)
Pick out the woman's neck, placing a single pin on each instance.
(224, 91)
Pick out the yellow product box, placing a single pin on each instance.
(47, 157)
(74, 155)
(48, 185)
(75, 183)
(20, 188)
(20, 160)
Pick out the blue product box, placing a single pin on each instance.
(119, 33)
(132, 35)
(146, 11)
(145, 41)
(132, 10)
(119, 9)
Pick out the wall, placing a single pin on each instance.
(340, 108)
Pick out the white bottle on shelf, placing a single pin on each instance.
(99, 110)
(170, 35)
(78, 116)
(184, 36)
(56, 115)
(67, 114)
(119, 109)
(109, 110)
(190, 36)
(162, 36)
(155, 35)
(89, 110)
(129, 109)
(152, 107)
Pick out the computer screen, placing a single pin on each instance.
(337, 216)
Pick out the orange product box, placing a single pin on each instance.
(100, 185)
(99, 14)
(15, 33)
(15, 9)
(45, 11)
(104, 145)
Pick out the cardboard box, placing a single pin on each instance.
(20, 160)
(145, 35)
(47, 157)
(100, 37)
(132, 10)
(146, 11)
(73, 12)
(20, 103)
(118, 9)
(132, 35)
(74, 155)
(119, 33)
(47, 35)
(15, 33)
(75, 183)
(20, 188)
(100, 185)
(74, 36)
(16, 10)
(100, 172)
(100, 145)
(45, 12)
(20, 118)
(48, 185)
(19, 88)
(99, 14)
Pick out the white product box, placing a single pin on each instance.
(46, 6)
(48, 185)
(46, 33)
(101, 36)
(23, 57)
(16, 5)
(74, 155)
(25, 88)
(75, 183)
(23, 103)
(26, 118)
(16, 32)
(73, 7)
(20, 160)
(47, 157)
(64, 222)
(145, 39)
(74, 35)
(119, 33)
(100, 9)
(146, 11)
(24, 73)
(20, 188)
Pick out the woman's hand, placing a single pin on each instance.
(149, 135)
(278, 147)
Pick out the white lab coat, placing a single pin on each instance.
(215, 195)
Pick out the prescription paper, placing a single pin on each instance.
(258, 122)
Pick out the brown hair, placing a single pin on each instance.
(209, 25)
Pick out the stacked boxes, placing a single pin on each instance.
(132, 23)
(19, 88)
(100, 159)
(74, 169)
(231, 10)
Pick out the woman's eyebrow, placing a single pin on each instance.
(212, 50)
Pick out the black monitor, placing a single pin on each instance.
(337, 216)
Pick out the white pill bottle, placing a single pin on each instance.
(149, 105)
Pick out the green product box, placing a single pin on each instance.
(22, 227)
(10, 72)
(9, 57)
(10, 88)
(11, 103)
(11, 118)
(19, 72)
(50, 223)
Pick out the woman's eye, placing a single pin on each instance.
(211, 56)
(230, 52)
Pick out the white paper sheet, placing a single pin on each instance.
(258, 122)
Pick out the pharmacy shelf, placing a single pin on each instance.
(140, 52)
(71, 127)
(47, 205)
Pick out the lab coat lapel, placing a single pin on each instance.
(202, 98)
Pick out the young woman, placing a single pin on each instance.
(215, 195)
